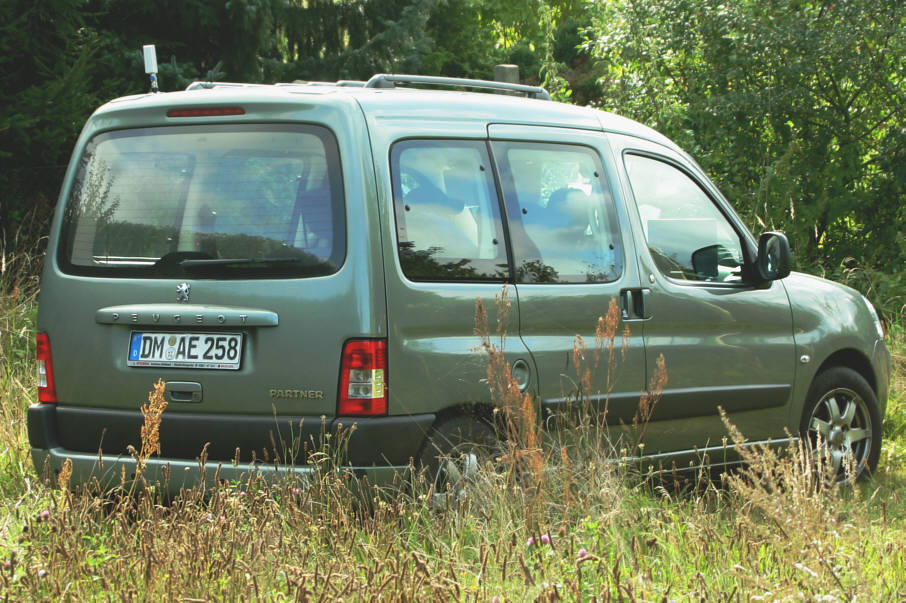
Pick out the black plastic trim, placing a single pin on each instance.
(378, 441)
(684, 403)
(42, 427)
(384, 440)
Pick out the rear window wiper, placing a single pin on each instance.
(306, 265)
(198, 263)
(301, 264)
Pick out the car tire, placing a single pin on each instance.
(843, 409)
(453, 454)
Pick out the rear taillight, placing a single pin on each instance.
(363, 382)
(47, 391)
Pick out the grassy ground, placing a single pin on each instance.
(560, 523)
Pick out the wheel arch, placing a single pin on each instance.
(854, 359)
(479, 410)
(833, 380)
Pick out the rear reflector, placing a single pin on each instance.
(47, 391)
(363, 382)
(206, 112)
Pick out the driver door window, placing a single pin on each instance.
(688, 236)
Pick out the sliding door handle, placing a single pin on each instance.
(634, 304)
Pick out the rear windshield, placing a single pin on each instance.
(241, 201)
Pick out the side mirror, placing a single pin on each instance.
(774, 258)
(714, 262)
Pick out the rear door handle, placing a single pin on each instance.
(634, 303)
(182, 391)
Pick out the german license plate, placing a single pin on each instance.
(185, 350)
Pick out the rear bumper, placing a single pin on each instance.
(174, 476)
(379, 448)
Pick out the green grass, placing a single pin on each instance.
(768, 533)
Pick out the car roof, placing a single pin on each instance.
(398, 103)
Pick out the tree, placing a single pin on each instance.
(45, 95)
(795, 107)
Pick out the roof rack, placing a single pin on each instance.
(338, 83)
(387, 80)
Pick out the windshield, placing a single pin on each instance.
(259, 200)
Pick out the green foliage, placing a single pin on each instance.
(45, 98)
(354, 39)
(464, 40)
(795, 108)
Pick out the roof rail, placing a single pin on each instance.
(387, 80)
(338, 83)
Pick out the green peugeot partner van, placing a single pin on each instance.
(291, 258)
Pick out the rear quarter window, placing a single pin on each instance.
(243, 201)
(447, 211)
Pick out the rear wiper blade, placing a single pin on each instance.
(238, 261)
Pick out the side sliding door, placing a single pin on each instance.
(573, 255)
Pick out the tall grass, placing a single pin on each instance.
(20, 261)
(894, 452)
(554, 518)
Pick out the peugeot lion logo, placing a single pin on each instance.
(182, 293)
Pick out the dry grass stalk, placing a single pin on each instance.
(606, 331)
(520, 422)
(650, 398)
(150, 431)
(504, 389)
(567, 478)
(65, 475)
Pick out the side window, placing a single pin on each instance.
(447, 211)
(563, 226)
(688, 236)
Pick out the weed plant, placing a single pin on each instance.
(552, 517)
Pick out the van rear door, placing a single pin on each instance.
(213, 257)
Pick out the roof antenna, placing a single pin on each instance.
(151, 65)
